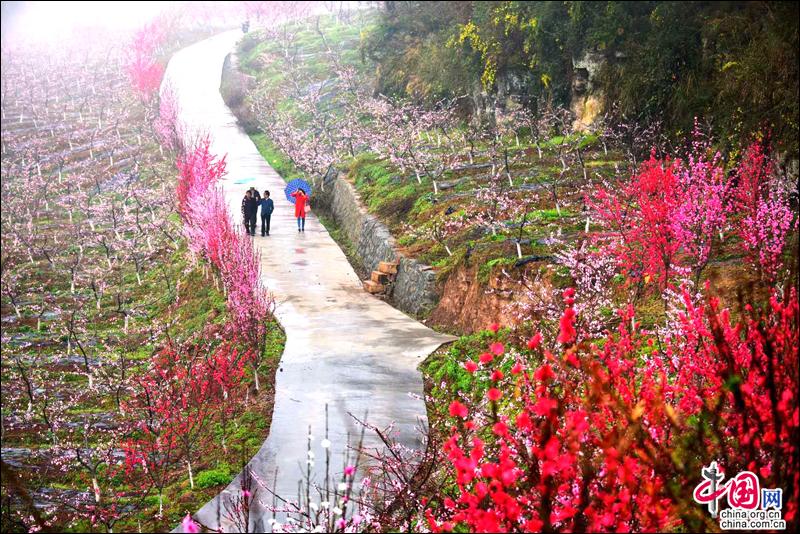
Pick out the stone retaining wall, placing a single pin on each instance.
(414, 290)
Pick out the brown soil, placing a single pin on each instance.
(468, 306)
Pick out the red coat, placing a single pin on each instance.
(300, 203)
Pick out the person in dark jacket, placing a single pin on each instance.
(267, 207)
(249, 211)
(247, 194)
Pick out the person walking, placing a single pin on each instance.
(249, 211)
(300, 198)
(247, 195)
(267, 207)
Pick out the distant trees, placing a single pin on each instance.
(662, 59)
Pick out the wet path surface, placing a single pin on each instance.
(344, 347)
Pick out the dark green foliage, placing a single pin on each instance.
(733, 64)
(409, 46)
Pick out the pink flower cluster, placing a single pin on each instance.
(766, 217)
(211, 234)
(167, 126)
(663, 223)
(144, 70)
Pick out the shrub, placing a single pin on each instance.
(213, 477)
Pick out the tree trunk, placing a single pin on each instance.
(191, 478)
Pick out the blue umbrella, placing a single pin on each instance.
(293, 186)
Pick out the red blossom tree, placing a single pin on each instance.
(638, 217)
(600, 439)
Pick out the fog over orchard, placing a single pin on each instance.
(597, 206)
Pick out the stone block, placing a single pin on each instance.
(387, 267)
(372, 287)
(379, 277)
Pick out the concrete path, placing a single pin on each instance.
(344, 347)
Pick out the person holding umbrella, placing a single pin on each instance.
(300, 199)
(298, 192)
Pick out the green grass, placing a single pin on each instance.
(213, 477)
(275, 157)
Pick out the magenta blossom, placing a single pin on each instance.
(188, 524)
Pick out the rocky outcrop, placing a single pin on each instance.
(586, 102)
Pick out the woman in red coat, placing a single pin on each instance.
(300, 199)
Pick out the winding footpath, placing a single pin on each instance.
(344, 348)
